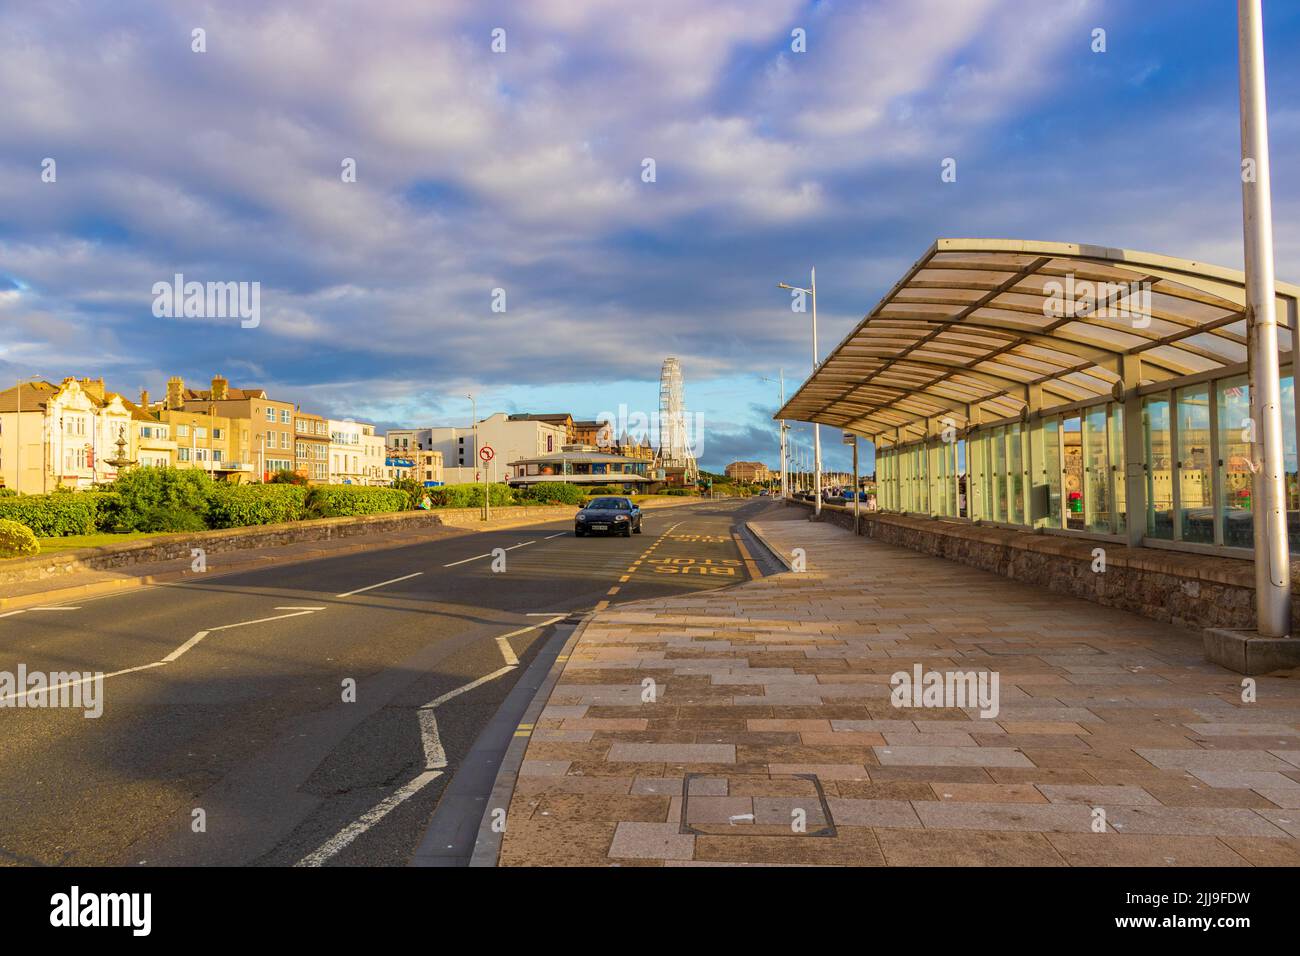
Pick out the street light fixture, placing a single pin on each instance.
(817, 434)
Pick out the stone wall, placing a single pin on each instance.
(1179, 587)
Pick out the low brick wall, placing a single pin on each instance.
(172, 547)
(1178, 587)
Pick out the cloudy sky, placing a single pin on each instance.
(522, 170)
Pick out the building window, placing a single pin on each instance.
(270, 414)
(284, 416)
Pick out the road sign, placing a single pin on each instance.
(849, 438)
(486, 453)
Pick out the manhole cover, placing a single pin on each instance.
(792, 805)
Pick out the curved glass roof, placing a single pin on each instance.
(982, 322)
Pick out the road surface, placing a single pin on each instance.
(225, 736)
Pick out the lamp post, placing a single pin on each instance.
(784, 427)
(817, 434)
(1268, 501)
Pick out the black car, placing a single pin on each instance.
(608, 516)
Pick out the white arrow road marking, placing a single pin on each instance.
(435, 757)
(371, 587)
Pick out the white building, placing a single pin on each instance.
(509, 436)
(61, 435)
(356, 454)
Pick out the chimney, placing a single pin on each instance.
(94, 387)
(220, 388)
(175, 392)
(144, 399)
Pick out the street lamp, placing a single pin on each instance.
(817, 434)
(784, 428)
(1268, 501)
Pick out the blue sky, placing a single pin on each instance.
(522, 171)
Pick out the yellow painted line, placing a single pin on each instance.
(624, 579)
(602, 605)
(526, 726)
(562, 658)
(750, 566)
(612, 591)
(523, 733)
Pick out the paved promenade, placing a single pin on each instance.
(755, 725)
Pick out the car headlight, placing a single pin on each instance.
(620, 517)
(581, 516)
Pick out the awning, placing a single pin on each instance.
(983, 324)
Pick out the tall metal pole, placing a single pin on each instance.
(18, 433)
(1272, 558)
(857, 520)
(817, 429)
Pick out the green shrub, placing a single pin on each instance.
(17, 540)
(337, 501)
(238, 506)
(8, 492)
(154, 499)
(287, 477)
(108, 509)
(556, 492)
(51, 516)
(412, 489)
(673, 491)
(469, 495)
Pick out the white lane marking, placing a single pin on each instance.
(435, 757)
(550, 536)
(72, 683)
(479, 557)
(300, 607)
(184, 647)
(371, 587)
(260, 620)
(468, 687)
(372, 816)
(507, 652)
(24, 610)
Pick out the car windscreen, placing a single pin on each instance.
(610, 504)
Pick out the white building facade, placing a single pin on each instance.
(356, 454)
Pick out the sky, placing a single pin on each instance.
(518, 177)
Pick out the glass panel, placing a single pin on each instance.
(961, 450)
(1096, 470)
(1234, 463)
(1160, 485)
(999, 475)
(1195, 479)
(1072, 473)
(1117, 465)
(1289, 460)
(1016, 472)
(1050, 474)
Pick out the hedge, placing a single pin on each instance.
(53, 515)
(238, 506)
(338, 501)
(469, 495)
(556, 492)
(17, 540)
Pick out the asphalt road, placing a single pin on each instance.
(241, 749)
